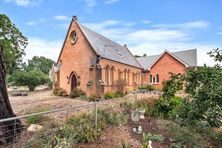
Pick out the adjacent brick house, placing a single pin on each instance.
(95, 64)
(158, 67)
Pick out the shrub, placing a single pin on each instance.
(31, 79)
(186, 136)
(83, 127)
(119, 94)
(152, 137)
(167, 107)
(147, 87)
(37, 118)
(59, 91)
(111, 95)
(94, 98)
(77, 93)
(113, 118)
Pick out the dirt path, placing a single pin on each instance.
(22, 104)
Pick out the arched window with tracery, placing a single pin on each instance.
(107, 74)
(112, 75)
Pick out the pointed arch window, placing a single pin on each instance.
(112, 75)
(151, 79)
(157, 78)
(107, 74)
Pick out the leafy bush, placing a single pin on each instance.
(171, 86)
(81, 128)
(147, 87)
(77, 93)
(36, 118)
(94, 98)
(186, 136)
(167, 107)
(112, 118)
(31, 79)
(111, 95)
(152, 137)
(59, 91)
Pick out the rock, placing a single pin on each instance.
(140, 129)
(15, 94)
(150, 144)
(134, 129)
(34, 128)
(24, 94)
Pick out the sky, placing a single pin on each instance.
(146, 26)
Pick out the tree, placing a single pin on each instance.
(204, 102)
(171, 86)
(8, 128)
(42, 64)
(13, 42)
(144, 55)
(31, 79)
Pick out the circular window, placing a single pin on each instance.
(73, 37)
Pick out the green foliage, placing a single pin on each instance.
(41, 63)
(186, 136)
(94, 98)
(152, 137)
(36, 118)
(167, 107)
(171, 86)
(112, 118)
(204, 84)
(77, 93)
(82, 128)
(216, 54)
(13, 42)
(147, 87)
(59, 91)
(31, 79)
(111, 95)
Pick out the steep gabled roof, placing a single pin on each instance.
(186, 57)
(109, 49)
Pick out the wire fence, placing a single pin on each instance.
(17, 131)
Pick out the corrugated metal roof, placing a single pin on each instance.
(109, 49)
(187, 56)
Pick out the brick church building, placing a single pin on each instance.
(96, 64)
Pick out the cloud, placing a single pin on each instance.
(36, 22)
(110, 1)
(42, 47)
(219, 33)
(61, 17)
(156, 40)
(90, 3)
(151, 41)
(187, 25)
(63, 26)
(145, 21)
(24, 3)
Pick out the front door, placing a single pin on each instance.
(73, 82)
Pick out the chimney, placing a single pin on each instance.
(125, 45)
(74, 17)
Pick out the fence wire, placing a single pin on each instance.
(14, 134)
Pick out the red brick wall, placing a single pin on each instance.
(121, 67)
(163, 66)
(77, 57)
